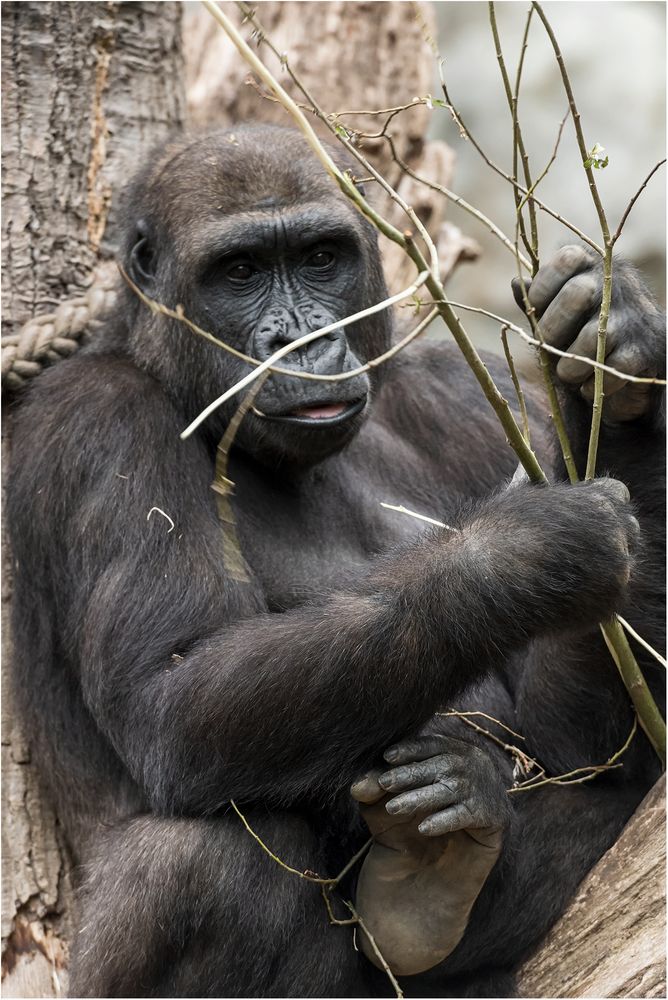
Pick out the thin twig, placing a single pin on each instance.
(627, 210)
(518, 143)
(333, 919)
(638, 379)
(643, 642)
(490, 718)
(456, 200)
(525, 762)
(604, 313)
(514, 106)
(179, 315)
(516, 382)
(646, 708)
(376, 950)
(587, 773)
(546, 169)
(400, 509)
(506, 176)
(326, 885)
(288, 868)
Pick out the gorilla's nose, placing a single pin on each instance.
(280, 327)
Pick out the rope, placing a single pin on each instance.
(49, 338)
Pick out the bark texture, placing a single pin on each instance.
(351, 56)
(611, 942)
(87, 89)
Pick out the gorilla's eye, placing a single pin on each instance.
(321, 260)
(240, 272)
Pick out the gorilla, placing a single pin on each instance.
(170, 663)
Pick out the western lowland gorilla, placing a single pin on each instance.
(161, 679)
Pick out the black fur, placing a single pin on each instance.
(158, 687)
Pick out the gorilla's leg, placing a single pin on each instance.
(195, 908)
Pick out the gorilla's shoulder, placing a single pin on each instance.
(90, 396)
(439, 364)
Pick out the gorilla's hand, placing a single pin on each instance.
(437, 819)
(566, 295)
(562, 553)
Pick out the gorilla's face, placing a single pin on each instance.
(260, 249)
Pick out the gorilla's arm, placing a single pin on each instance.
(202, 693)
(588, 705)
(567, 699)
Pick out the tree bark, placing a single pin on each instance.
(611, 941)
(88, 88)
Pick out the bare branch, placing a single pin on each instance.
(516, 382)
(484, 715)
(397, 989)
(456, 200)
(579, 774)
(636, 379)
(506, 176)
(627, 210)
(643, 642)
(646, 708)
(518, 141)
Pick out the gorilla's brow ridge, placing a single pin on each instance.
(249, 230)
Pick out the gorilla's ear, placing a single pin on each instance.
(143, 258)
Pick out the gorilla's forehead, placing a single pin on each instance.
(269, 224)
(243, 170)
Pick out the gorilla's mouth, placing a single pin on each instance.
(320, 414)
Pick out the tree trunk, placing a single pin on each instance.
(611, 941)
(88, 88)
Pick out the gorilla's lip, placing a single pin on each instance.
(329, 414)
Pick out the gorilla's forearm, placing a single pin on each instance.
(217, 720)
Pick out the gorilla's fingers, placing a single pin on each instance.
(424, 799)
(572, 371)
(573, 306)
(422, 748)
(551, 278)
(367, 789)
(457, 817)
(417, 774)
(516, 285)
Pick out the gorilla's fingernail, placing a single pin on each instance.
(385, 780)
(391, 754)
(393, 806)
(520, 288)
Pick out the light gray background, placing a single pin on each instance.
(615, 55)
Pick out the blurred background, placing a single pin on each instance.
(615, 56)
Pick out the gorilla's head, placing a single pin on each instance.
(246, 231)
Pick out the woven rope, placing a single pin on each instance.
(46, 339)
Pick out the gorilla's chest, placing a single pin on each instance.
(307, 539)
